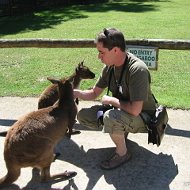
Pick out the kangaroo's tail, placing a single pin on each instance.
(11, 176)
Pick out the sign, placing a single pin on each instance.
(147, 54)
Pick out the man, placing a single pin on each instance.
(128, 78)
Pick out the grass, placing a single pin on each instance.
(24, 70)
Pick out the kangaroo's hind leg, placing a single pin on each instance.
(64, 176)
(45, 175)
(72, 121)
(44, 165)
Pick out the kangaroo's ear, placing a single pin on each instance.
(77, 68)
(67, 81)
(81, 64)
(53, 80)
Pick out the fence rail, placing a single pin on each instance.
(89, 43)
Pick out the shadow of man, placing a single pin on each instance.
(177, 132)
(145, 170)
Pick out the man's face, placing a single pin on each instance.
(106, 55)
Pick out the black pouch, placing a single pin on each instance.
(157, 125)
(100, 113)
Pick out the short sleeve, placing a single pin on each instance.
(102, 81)
(139, 85)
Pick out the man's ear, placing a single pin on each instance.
(116, 49)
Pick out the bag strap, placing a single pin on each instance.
(156, 101)
(120, 77)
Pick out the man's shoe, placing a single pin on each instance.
(115, 161)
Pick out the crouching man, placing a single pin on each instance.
(128, 79)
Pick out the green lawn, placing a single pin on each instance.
(24, 70)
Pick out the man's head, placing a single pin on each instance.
(110, 44)
(110, 38)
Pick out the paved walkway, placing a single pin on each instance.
(152, 168)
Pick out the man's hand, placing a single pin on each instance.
(134, 108)
(109, 100)
(89, 94)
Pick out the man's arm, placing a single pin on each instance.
(134, 108)
(91, 94)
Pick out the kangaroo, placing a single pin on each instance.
(50, 95)
(30, 142)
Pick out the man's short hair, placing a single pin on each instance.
(111, 38)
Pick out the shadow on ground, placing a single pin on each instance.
(177, 132)
(7, 122)
(146, 169)
(51, 18)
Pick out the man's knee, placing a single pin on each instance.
(112, 122)
(86, 119)
(111, 117)
(81, 115)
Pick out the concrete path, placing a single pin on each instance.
(152, 168)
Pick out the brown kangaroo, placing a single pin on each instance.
(50, 95)
(30, 142)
